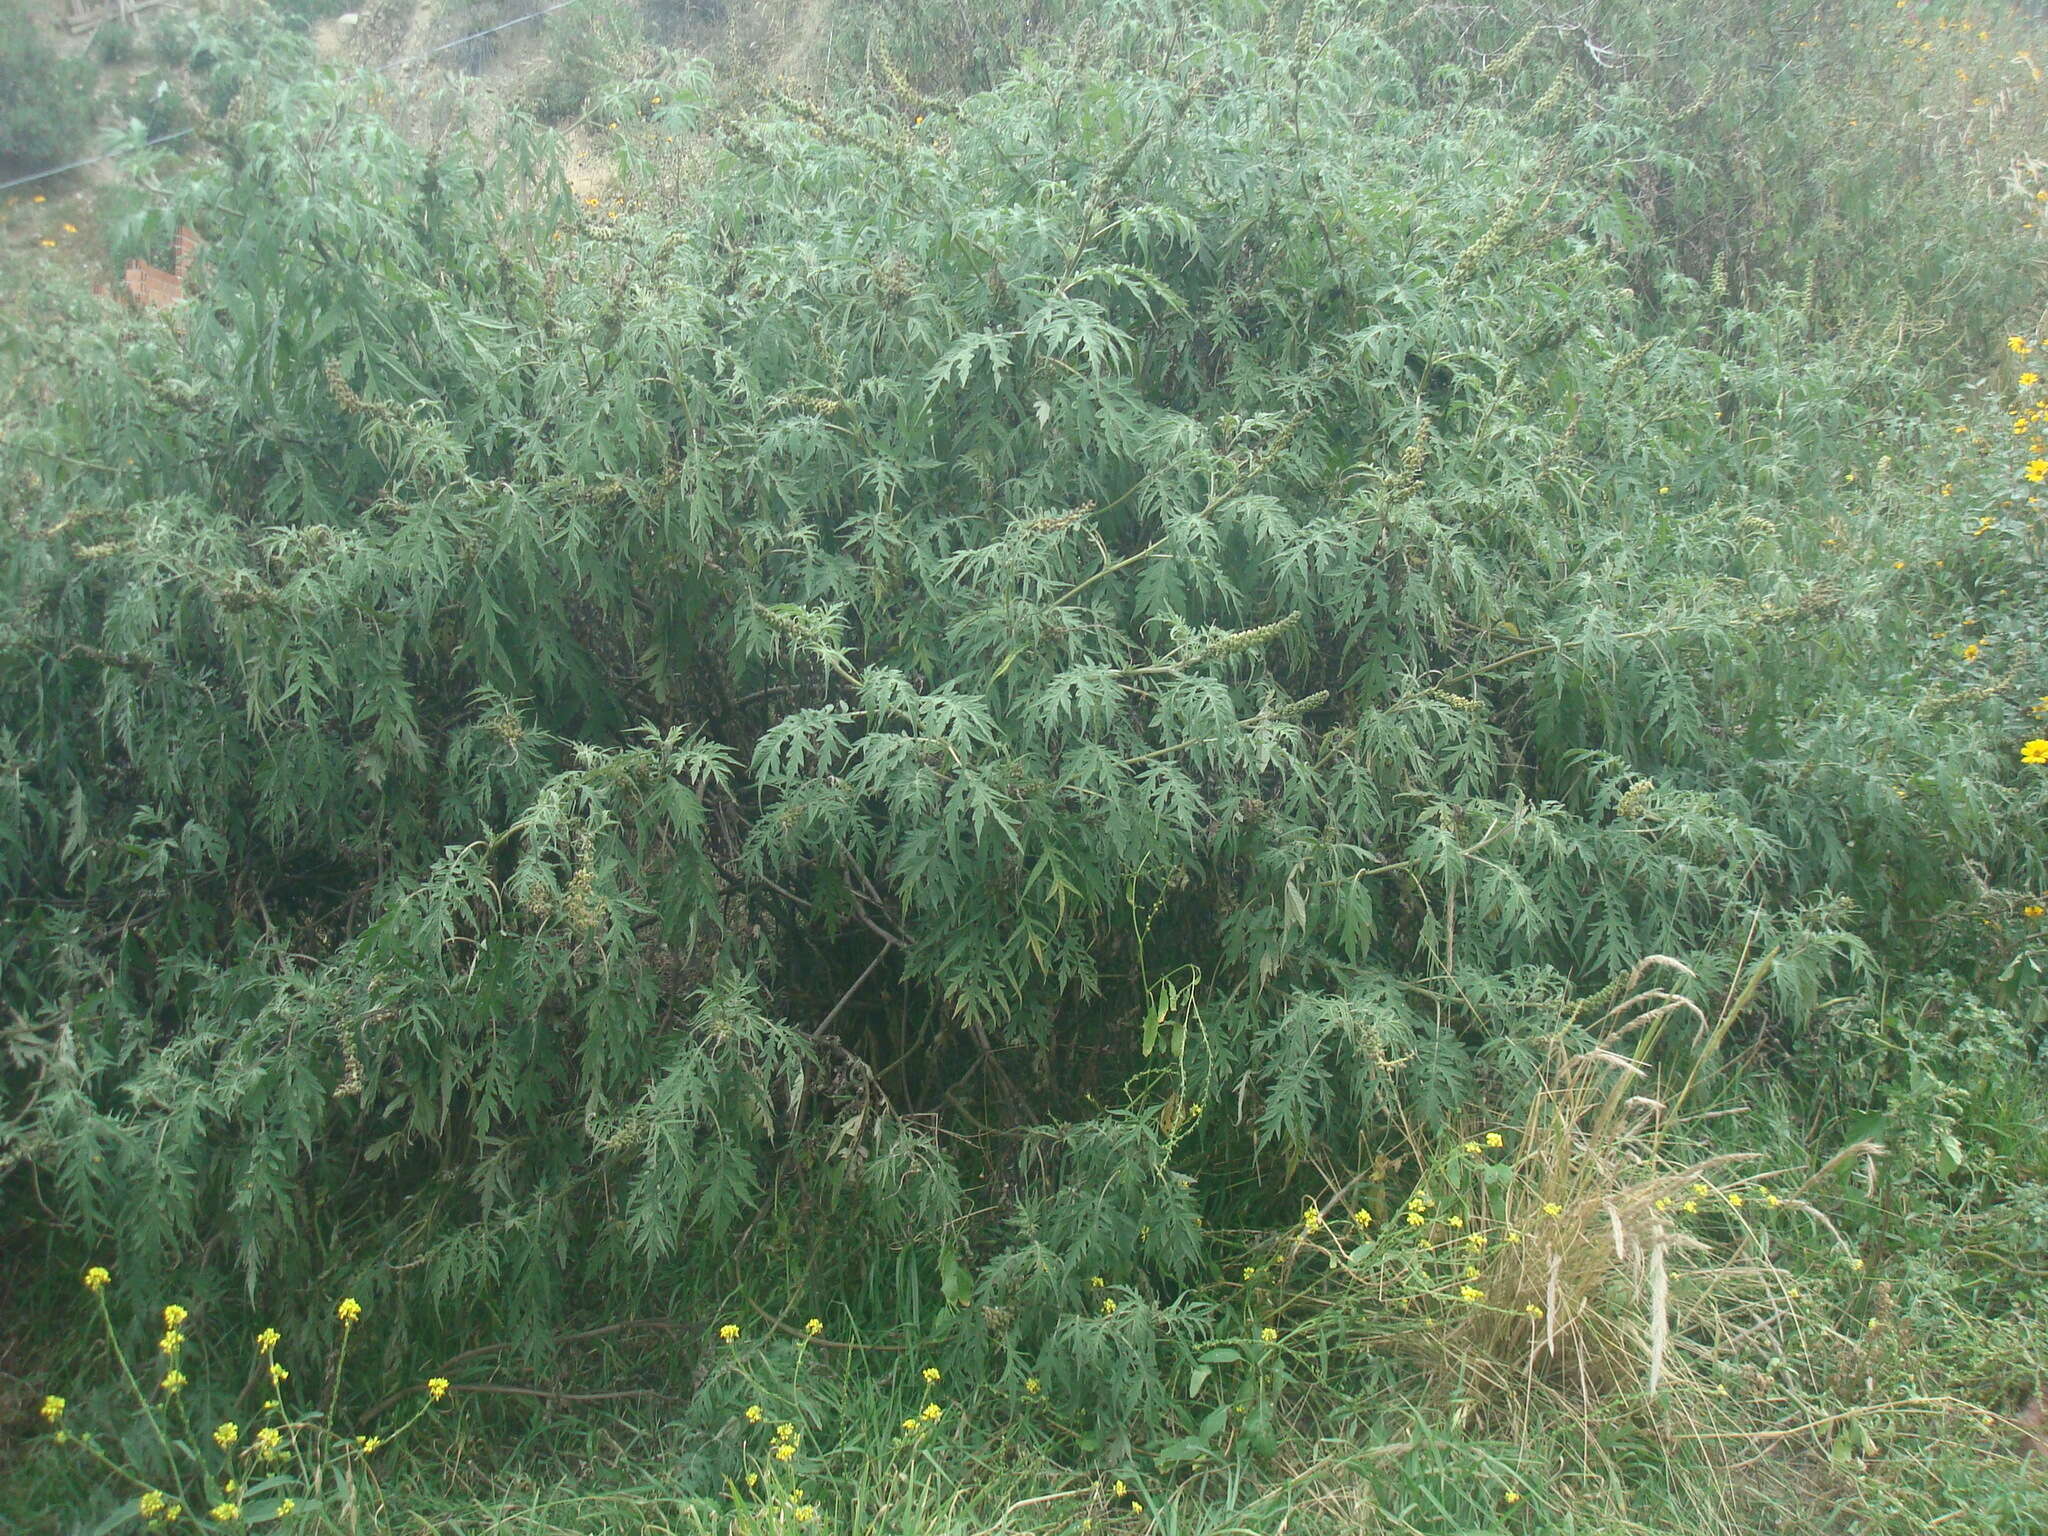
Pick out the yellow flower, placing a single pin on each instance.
(931, 1413)
(437, 1388)
(1472, 1146)
(1311, 1219)
(2035, 751)
(2017, 345)
(286, 1506)
(1691, 1207)
(1735, 1200)
(1971, 652)
(266, 1341)
(2037, 470)
(1414, 1218)
(1552, 1208)
(1471, 1293)
(1454, 1221)
(1495, 1139)
(150, 1505)
(930, 1373)
(1511, 1497)
(1477, 1240)
(786, 1432)
(816, 1325)
(729, 1332)
(1108, 1306)
(784, 1451)
(171, 1342)
(1031, 1385)
(226, 1435)
(2027, 380)
(369, 1443)
(2034, 909)
(349, 1310)
(1122, 1488)
(1857, 1265)
(174, 1315)
(1533, 1310)
(1361, 1219)
(50, 245)
(96, 1278)
(53, 1410)
(278, 1374)
(226, 1513)
(804, 1514)
(269, 1441)
(174, 1382)
(1097, 1281)
(1270, 1335)
(754, 1414)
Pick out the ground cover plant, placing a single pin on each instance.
(1256, 766)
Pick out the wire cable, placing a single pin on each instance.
(398, 63)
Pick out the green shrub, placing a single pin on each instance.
(115, 42)
(46, 100)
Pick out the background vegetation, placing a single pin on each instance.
(1156, 766)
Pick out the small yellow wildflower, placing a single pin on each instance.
(1471, 1293)
(1361, 1219)
(349, 1310)
(930, 1373)
(266, 1341)
(226, 1435)
(1472, 1147)
(1735, 1200)
(2037, 470)
(804, 1514)
(174, 1382)
(150, 1505)
(1414, 1218)
(1495, 1139)
(1971, 652)
(270, 1442)
(286, 1506)
(785, 1451)
(278, 1374)
(754, 1413)
(96, 1278)
(2035, 751)
(729, 1332)
(2035, 909)
(1311, 1220)
(786, 1432)
(1031, 1385)
(1857, 1265)
(1552, 1208)
(1122, 1488)
(816, 1325)
(53, 1409)
(2017, 345)
(226, 1513)
(910, 1426)
(1108, 1306)
(1097, 1281)
(1454, 1221)
(174, 1315)
(171, 1342)
(1269, 1335)
(1511, 1497)
(1691, 1207)
(368, 1444)
(1533, 1310)
(931, 1413)
(437, 1388)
